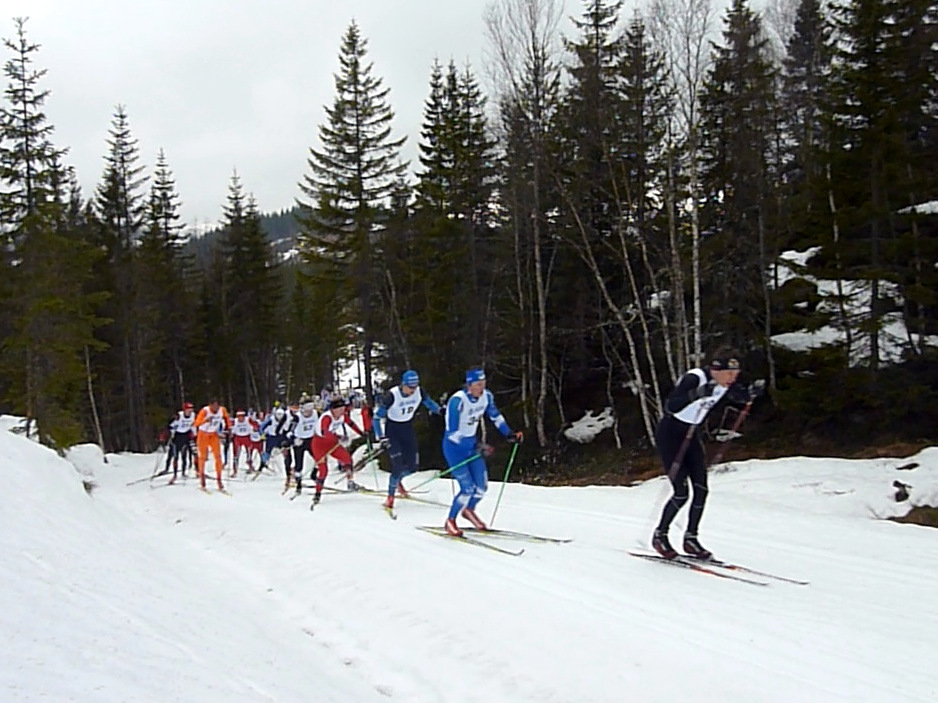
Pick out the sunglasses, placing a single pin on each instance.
(731, 364)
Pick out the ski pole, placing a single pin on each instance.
(369, 456)
(718, 457)
(511, 460)
(440, 474)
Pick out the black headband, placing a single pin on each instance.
(729, 364)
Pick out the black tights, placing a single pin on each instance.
(670, 437)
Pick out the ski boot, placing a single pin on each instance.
(401, 491)
(693, 548)
(352, 486)
(389, 502)
(476, 521)
(452, 529)
(661, 544)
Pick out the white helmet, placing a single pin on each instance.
(278, 413)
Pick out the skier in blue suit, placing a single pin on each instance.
(464, 411)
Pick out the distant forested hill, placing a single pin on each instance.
(281, 229)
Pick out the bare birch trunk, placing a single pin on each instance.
(94, 406)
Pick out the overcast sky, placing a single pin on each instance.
(225, 84)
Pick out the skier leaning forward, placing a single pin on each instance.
(394, 429)
(679, 432)
(302, 436)
(331, 439)
(464, 412)
(181, 440)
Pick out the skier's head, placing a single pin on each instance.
(240, 414)
(307, 409)
(214, 404)
(188, 407)
(475, 381)
(278, 413)
(337, 406)
(724, 366)
(410, 379)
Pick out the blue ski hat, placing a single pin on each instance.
(410, 378)
(473, 375)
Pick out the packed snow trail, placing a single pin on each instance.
(170, 594)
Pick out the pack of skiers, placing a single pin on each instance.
(321, 427)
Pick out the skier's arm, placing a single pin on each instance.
(431, 405)
(452, 418)
(689, 389)
(381, 414)
(496, 416)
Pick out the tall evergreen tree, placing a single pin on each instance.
(454, 192)
(162, 295)
(48, 317)
(737, 136)
(347, 192)
(252, 295)
(28, 158)
(873, 107)
(120, 207)
(807, 67)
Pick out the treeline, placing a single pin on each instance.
(614, 208)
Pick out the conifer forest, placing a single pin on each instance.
(591, 214)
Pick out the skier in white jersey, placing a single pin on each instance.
(464, 412)
(181, 440)
(301, 436)
(394, 429)
(241, 430)
(681, 447)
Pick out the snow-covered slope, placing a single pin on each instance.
(168, 594)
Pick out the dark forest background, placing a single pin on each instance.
(612, 209)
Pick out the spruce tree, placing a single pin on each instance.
(452, 214)
(49, 315)
(120, 208)
(807, 67)
(347, 192)
(591, 136)
(163, 295)
(28, 159)
(252, 296)
(737, 136)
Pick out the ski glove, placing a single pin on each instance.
(757, 388)
(484, 450)
(384, 443)
(515, 438)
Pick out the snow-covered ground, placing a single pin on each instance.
(167, 594)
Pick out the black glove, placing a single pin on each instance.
(757, 388)
(704, 391)
(515, 438)
(384, 443)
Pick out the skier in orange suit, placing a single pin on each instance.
(212, 418)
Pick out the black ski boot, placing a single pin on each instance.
(661, 544)
(693, 548)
